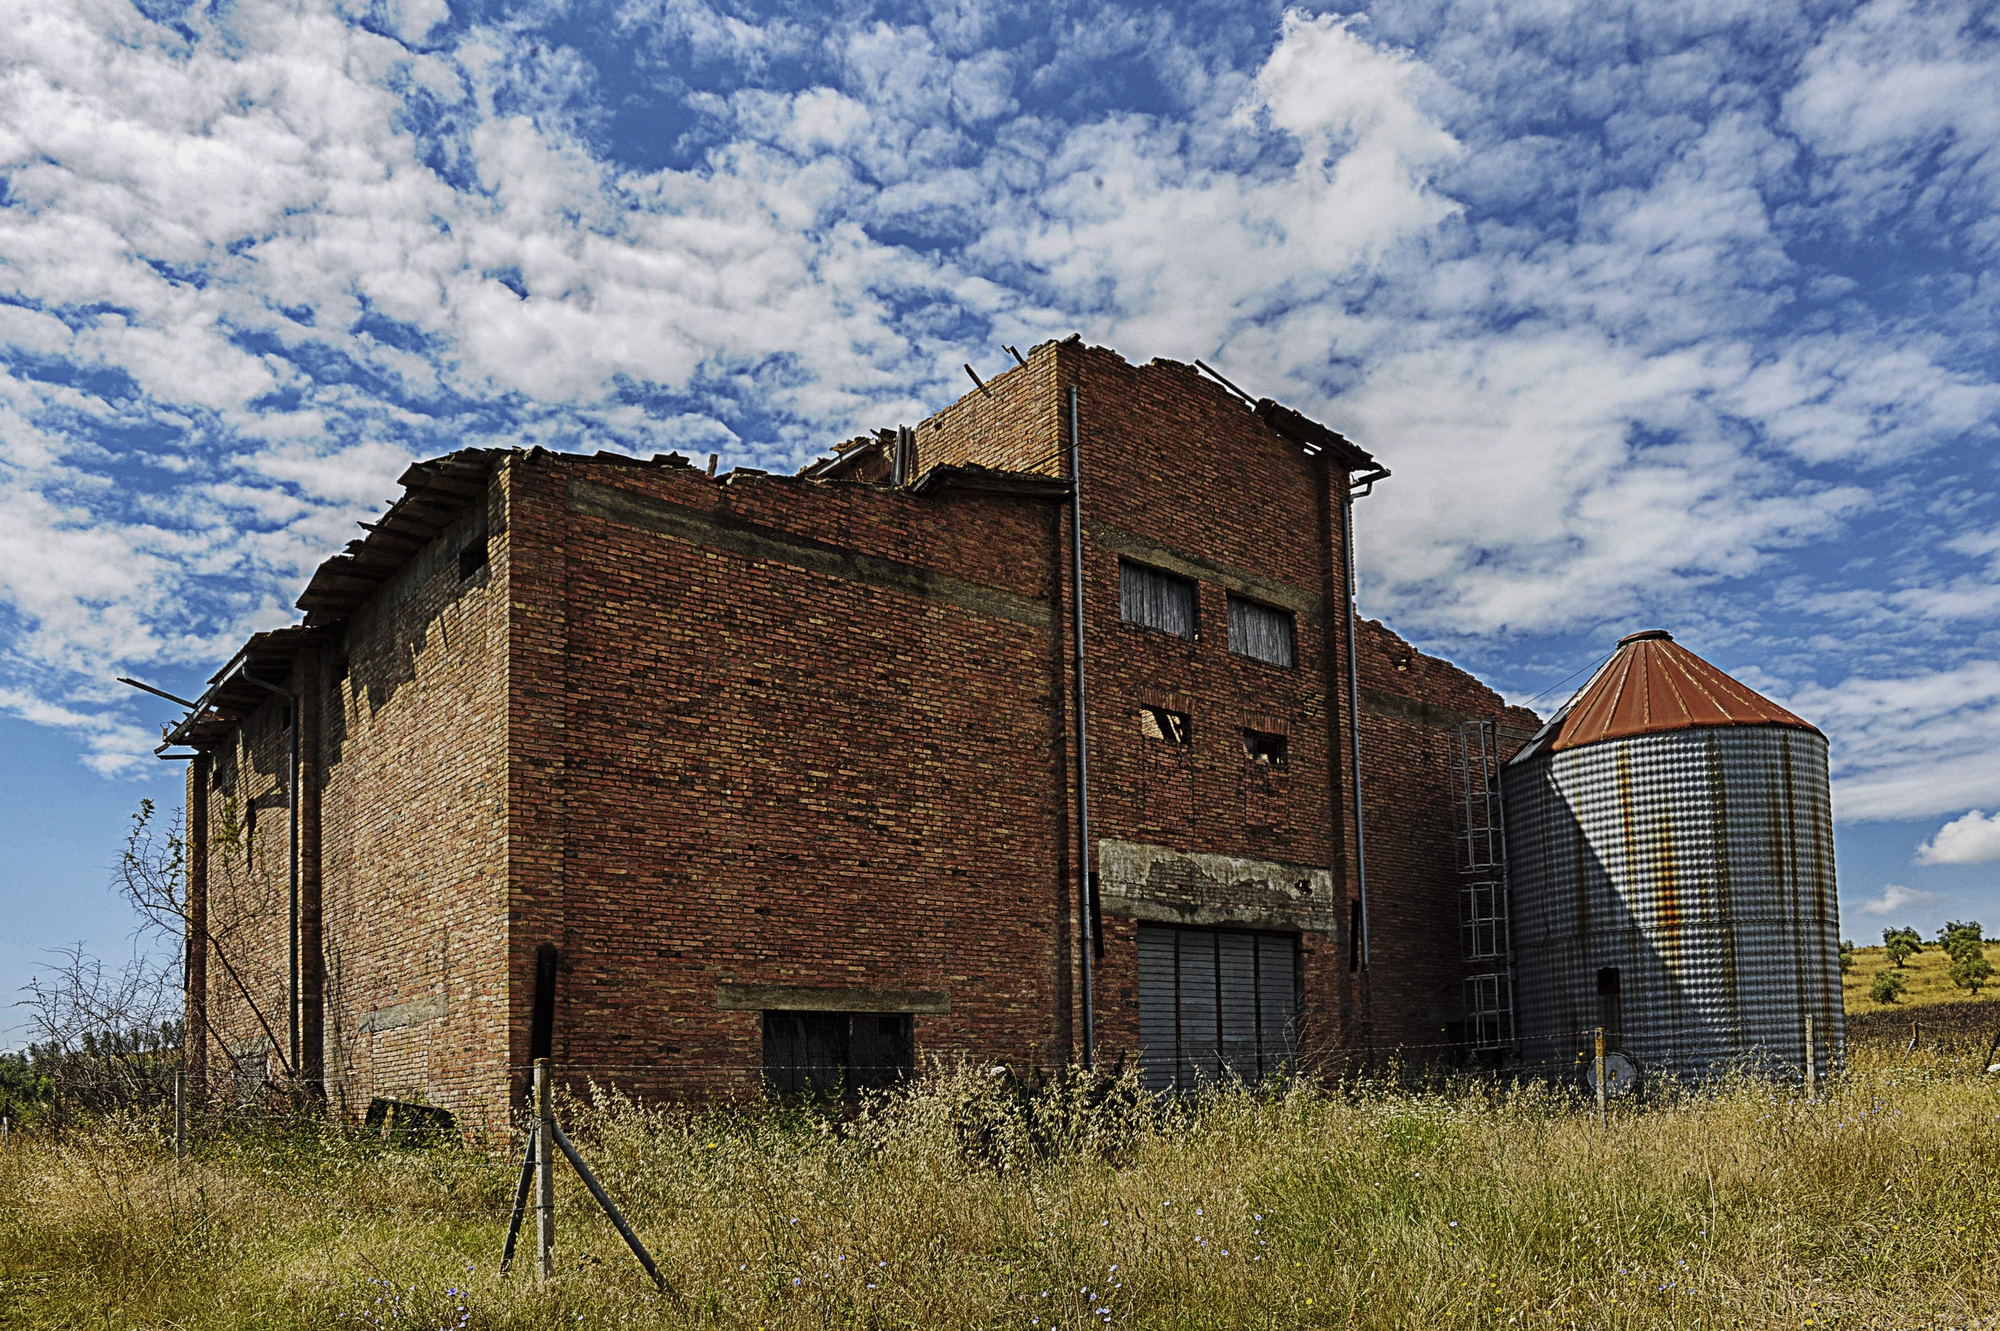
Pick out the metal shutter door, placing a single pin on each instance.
(1236, 1004)
(1200, 1054)
(1277, 1001)
(1159, 1031)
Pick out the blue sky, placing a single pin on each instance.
(1663, 315)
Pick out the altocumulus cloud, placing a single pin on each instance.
(1626, 296)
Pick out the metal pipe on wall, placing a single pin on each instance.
(1084, 932)
(1354, 717)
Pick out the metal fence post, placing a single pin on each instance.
(545, 1174)
(1812, 1061)
(1600, 1079)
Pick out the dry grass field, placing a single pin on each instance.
(1460, 1204)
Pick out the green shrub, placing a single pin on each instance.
(1888, 987)
(1846, 956)
(1970, 969)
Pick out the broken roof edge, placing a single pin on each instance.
(972, 478)
(1288, 423)
(230, 697)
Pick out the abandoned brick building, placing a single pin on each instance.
(786, 768)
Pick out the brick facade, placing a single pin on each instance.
(760, 742)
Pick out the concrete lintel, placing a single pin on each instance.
(1161, 885)
(1414, 710)
(403, 1014)
(809, 998)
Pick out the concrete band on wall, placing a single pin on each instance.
(1161, 885)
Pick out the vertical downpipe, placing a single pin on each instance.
(1354, 717)
(1083, 933)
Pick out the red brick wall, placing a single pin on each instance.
(772, 731)
(766, 774)
(1178, 474)
(1412, 706)
(248, 907)
(414, 814)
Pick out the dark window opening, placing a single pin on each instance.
(340, 670)
(1161, 724)
(1155, 600)
(1611, 1007)
(472, 558)
(834, 1055)
(1260, 632)
(1262, 747)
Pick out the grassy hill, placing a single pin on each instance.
(1926, 976)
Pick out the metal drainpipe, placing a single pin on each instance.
(292, 801)
(1083, 938)
(1354, 721)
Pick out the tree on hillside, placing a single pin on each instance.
(1888, 987)
(1902, 944)
(1846, 955)
(1965, 943)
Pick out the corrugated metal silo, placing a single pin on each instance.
(1670, 861)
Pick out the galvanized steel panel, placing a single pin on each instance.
(1699, 863)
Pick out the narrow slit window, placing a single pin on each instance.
(1160, 724)
(1260, 632)
(1611, 1007)
(1260, 746)
(1153, 599)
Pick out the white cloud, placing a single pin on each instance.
(1910, 746)
(1895, 897)
(303, 281)
(1972, 839)
(1902, 102)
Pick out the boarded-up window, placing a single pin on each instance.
(1260, 632)
(1215, 1005)
(835, 1054)
(1163, 725)
(1155, 600)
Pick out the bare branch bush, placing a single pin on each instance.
(108, 1038)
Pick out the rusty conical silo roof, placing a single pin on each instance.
(1652, 684)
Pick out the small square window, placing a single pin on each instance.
(1260, 632)
(1156, 600)
(1261, 746)
(1160, 724)
(473, 557)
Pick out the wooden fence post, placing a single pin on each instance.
(1601, 1089)
(1812, 1061)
